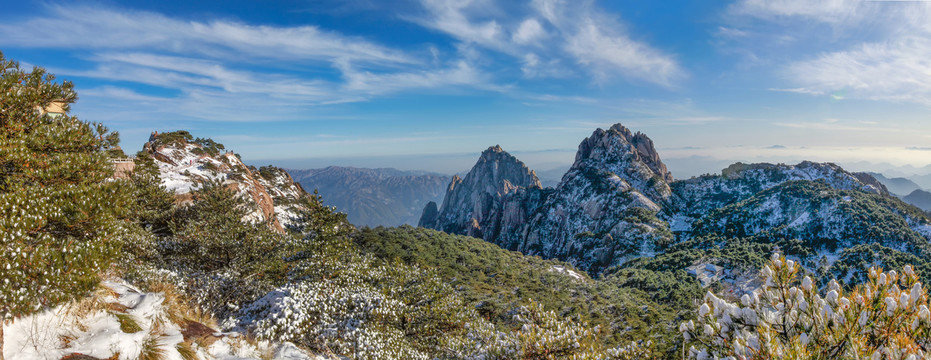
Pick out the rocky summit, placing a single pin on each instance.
(478, 205)
(618, 201)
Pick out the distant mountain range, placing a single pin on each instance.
(897, 185)
(373, 197)
(908, 190)
(919, 198)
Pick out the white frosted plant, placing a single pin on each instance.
(543, 334)
(790, 318)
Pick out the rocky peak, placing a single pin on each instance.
(619, 147)
(473, 205)
(497, 171)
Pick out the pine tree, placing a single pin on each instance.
(58, 206)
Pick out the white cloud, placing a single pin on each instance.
(877, 50)
(83, 27)
(606, 54)
(824, 10)
(897, 70)
(460, 74)
(601, 44)
(574, 31)
(529, 32)
(452, 17)
(223, 70)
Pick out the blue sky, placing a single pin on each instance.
(428, 84)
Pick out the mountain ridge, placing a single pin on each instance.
(618, 201)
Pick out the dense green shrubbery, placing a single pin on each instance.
(60, 214)
(497, 281)
(226, 262)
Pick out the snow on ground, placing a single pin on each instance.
(569, 272)
(287, 215)
(180, 175)
(95, 327)
(680, 222)
(801, 220)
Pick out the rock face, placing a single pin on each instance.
(374, 197)
(695, 197)
(618, 201)
(185, 165)
(603, 209)
(477, 205)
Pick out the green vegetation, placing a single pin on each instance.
(413, 293)
(181, 137)
(225, 261)
(496, 281)
(59, 217)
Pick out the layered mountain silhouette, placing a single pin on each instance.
(373, 197)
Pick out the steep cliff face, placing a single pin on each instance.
(603, 210)
(186, 164)
(491, 196)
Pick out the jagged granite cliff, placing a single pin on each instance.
(618, 201)
(487, 198)
(602, 210)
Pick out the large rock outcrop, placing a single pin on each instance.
(487, 200)
(185, 164)
(603, 210)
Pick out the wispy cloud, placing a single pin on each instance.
(223, 70)
(837, 125)
(877, 50)
(896, 70)
(86, 27)
(575, 32)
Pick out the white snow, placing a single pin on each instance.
(67, 329)
(680, 222)
(564, 270)
(801, 220)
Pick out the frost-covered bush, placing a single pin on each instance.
(789, 318)
(537, 333)
(356, 306)
(58, 208)
(225, 262)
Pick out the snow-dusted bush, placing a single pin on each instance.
(537, 333)
(790, 318)
(353, 305)
(58, 209)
